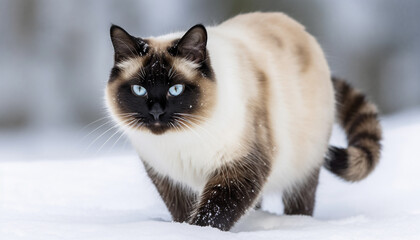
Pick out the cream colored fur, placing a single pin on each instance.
(300, 104)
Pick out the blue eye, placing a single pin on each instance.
(176, 90)
(138, 90)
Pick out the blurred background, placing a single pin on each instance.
(55, 58)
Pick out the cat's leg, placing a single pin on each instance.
(231, 191)
(178, 200)
(301, 199)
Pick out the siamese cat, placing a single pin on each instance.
(222, 115)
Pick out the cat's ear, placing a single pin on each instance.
(125, 45)
(192, 45)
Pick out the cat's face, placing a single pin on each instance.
(161, 85)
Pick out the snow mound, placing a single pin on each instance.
(111, 197)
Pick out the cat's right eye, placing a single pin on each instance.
(138, 90)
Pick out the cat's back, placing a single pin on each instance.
(267, 30)
(272, 35)
(262, 22)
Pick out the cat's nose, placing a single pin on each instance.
(156, 111)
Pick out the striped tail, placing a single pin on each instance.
(359, 119)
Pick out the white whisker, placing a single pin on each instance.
(118, 139)
(96, 139)
(213, 138)
(132, 121)
(181, 121)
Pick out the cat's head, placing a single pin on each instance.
(160, 84)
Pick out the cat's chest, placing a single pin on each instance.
(187, 161)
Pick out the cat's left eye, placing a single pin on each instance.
(176, 90)
(139, 90)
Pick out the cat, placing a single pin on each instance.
(222, 115)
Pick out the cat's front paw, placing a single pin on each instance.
(214, 219)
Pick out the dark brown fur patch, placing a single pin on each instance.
(303, 56)
(232, 190)
(115, 72)
(261, 115)
(178, 200)
(364, 136)
(359, 119)
(301, 199)
(351, 109)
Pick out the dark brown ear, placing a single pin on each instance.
(125, 45)
(192, 45)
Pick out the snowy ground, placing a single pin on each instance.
(56, 193)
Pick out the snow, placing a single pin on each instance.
(54, 193)
(145, 46)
